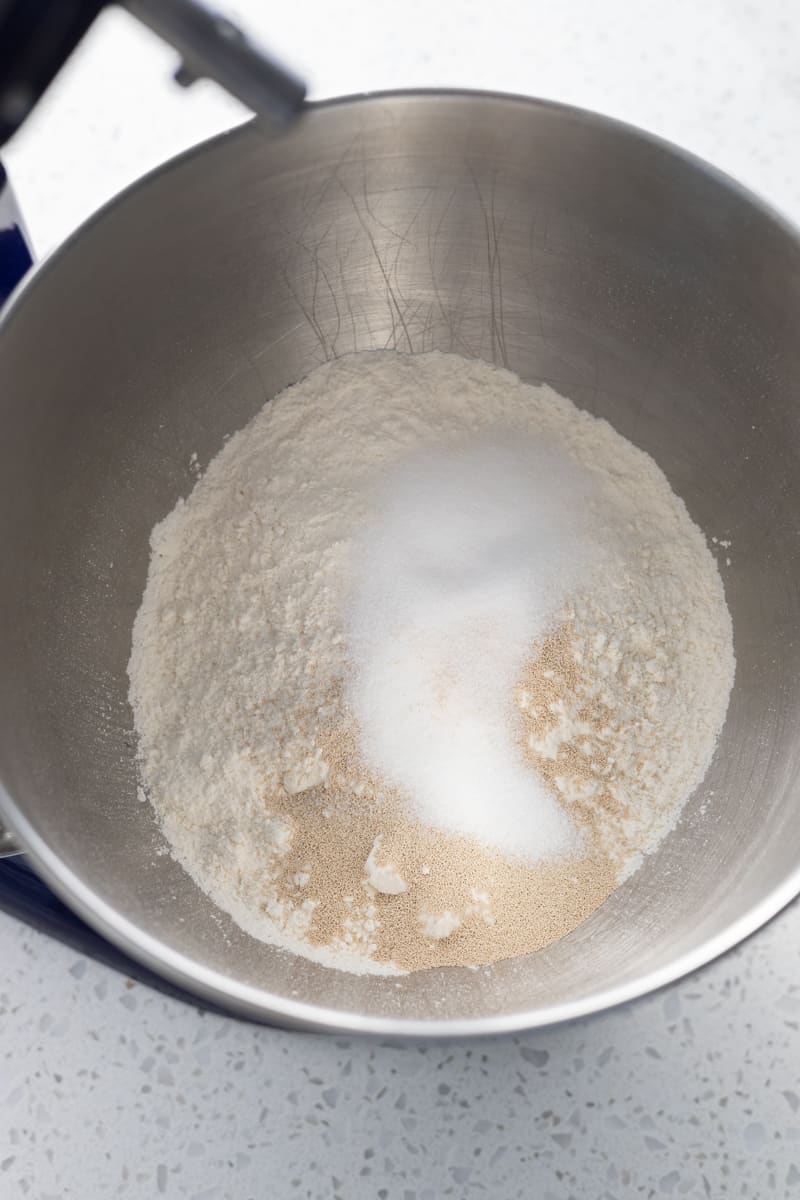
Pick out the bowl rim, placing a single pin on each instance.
(243, 1000)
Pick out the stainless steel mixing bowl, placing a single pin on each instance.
(633, 278)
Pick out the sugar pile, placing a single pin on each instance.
(468, 556)
(424, 664)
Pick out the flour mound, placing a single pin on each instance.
(270, 630)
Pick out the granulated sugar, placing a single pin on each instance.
(424, 664)
(463, 565)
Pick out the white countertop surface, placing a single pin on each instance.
(109, 1089)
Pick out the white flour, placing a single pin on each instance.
(240, 648)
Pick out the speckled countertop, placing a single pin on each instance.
(109, 1089)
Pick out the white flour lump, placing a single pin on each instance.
(425, 663)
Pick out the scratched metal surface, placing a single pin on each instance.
(567, 248)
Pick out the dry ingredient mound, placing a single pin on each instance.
(265, 669)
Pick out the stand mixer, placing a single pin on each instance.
(38, 36)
